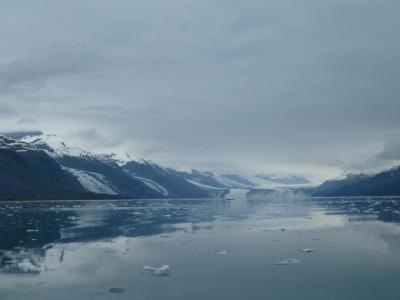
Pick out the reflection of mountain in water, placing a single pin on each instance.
(21, 260)
(33, 231)
(28, 229)
(382, 209)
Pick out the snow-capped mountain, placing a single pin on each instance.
(27, 172)
(81, 174)
(56, 147)
(167, 180)
(236, 181)
(106, 175)
(386, 183)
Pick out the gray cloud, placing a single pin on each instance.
(36, 68)
(250, 86)
(26, 120)
(391, 150)
(6, 111)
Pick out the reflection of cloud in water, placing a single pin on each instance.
(376, 236)
(22, 261)
(41, 237)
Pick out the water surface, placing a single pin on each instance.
(214, 249)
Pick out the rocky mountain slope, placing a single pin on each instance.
(386, 183)
(38, 166)
(34, 165)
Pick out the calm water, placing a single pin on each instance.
(215, 249)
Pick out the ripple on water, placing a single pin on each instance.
(116, 290)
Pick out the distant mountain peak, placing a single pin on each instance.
(53, 145)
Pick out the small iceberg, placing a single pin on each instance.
(307, 250)
(287, 262)
(164, 270)
(221, 252)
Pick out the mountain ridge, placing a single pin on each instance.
(106, 175)
(385, 183)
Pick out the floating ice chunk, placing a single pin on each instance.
(287, 262)
(164, 270)
(307, 250)
(117, 290)
(221, 252)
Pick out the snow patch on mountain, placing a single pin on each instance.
(203, 186)
(153, 185)
(7, 142)
(53, 145)
(237, 181)
(92, 182)
(229, 182)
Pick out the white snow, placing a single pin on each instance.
(254, 181)
(92, 182)
(53, 142)
(153, 185)
(55, 147)
(229, 182)
(203, 186)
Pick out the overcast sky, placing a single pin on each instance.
(256, 86)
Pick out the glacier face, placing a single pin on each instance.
(92, 181)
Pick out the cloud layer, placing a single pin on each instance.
(251, 86)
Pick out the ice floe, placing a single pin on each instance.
(221, 252)
(307, 250)
(287, 262)
(164, 270)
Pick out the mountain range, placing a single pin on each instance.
(386, 183)
(34, 165)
